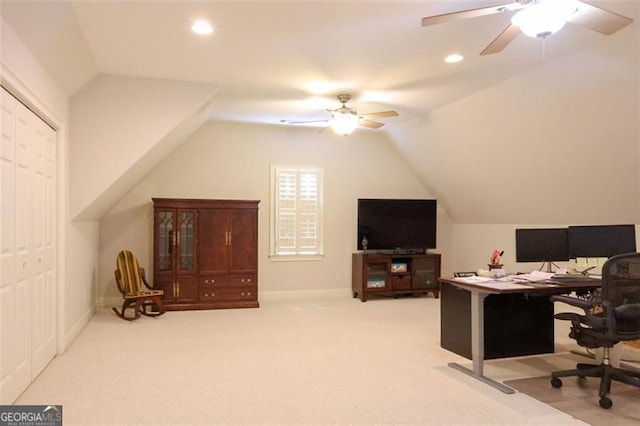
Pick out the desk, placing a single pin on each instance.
(463, 313)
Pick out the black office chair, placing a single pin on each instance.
(610, 317)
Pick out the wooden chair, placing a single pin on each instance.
(130, 278)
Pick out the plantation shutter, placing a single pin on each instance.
(297, 211)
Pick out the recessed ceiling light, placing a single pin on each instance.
(451, 59)
(202, 27)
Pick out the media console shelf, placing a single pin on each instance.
(394, 274)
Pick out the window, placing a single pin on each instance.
(296, 213)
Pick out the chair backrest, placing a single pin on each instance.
(129, 270)
(621, 279)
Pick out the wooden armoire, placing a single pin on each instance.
(206, 253)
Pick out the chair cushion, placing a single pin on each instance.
(148, 293)
(628, 318)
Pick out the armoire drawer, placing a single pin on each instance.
(231, 280)
(209, 294)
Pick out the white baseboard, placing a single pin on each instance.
(265, 295)
(108, 302)
(73, 332)
(304, 294)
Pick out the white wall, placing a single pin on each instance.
(232, 161)
(558, 144)
(119, 129)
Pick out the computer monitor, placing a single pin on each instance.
(544, 245)
(541, 245)
(601, 240)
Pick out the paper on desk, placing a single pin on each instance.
(473, 279)
(492, 283)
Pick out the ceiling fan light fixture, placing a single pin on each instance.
(454, 58)
(544, 17)
(344, 122)
(202, 27)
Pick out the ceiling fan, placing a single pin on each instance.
(539, 18)
(344, 120)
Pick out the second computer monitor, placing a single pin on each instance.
(601, 240)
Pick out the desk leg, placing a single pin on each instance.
(477, 345)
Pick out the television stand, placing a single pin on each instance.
(399, 251)
(394, 274)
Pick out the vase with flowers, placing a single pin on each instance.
(496, 259)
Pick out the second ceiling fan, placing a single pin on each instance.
(539, 18)
(345, 120)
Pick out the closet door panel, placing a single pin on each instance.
(43, 244)
(15, 332)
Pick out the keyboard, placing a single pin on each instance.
(568, 278)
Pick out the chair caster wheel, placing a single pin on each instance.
(605, 402)
(556, 383)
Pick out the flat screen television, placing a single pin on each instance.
(601, 240)
(397, 224)
(542, 245)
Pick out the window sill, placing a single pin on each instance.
(296, 257)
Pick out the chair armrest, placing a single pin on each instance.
(573, 301)
(144, 280)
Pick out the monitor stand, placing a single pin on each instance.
(549, 269)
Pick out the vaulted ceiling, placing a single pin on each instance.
(278, 61)
(287, 60)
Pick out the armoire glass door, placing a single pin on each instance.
(186, 241)
(165, 240)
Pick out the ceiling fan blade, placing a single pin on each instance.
(304, 122)
(600, 20)
(371, 124)
(502, 40)
(471, 13)
(380, 114)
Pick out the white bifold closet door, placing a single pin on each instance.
(28, 209)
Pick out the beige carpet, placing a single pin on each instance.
(313, 361)
(579, 398)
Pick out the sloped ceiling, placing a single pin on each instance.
(274, 61)
(555, 145)
(288, 60)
